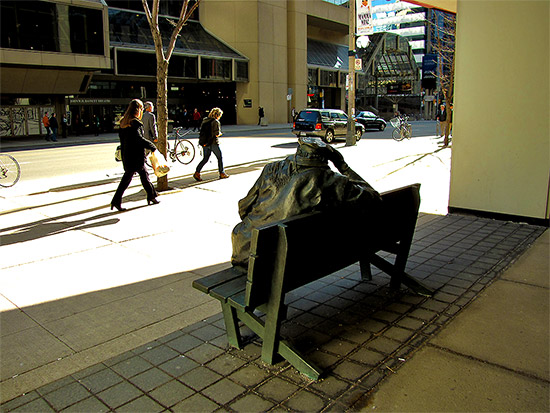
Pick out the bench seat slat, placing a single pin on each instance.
(205, 284)
(223, 291)
(238, 301)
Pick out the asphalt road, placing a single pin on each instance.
(96, 155)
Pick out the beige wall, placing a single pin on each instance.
(273, 35)
(501, 131)
(258, 29)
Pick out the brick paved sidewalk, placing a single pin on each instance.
(358, 331)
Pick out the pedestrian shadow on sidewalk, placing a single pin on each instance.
(53, 226)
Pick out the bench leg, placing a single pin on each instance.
(232, 326)
(366, 274)
(281, 347)
(399, 276)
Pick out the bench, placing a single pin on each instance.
(291, 253)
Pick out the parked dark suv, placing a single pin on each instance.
(328, 124)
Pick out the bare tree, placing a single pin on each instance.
(444, 31)
(163, 59)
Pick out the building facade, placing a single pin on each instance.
(99, 54)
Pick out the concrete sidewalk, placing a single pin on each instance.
(98, 312)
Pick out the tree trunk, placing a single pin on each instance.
(449, 99)
(162, 116)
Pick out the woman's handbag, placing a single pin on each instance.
(118, 154)
(158, 161)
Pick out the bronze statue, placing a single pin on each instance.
(300, 183)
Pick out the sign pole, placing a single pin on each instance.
(350, 137)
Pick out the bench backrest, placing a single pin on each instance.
(294, 252)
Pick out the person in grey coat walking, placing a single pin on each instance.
(150, 122)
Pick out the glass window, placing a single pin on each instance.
(29, 25)
(328, 78)
(136, 63)
(166, 7)
(241, 70)
(313, 77)
(183, 66)
(215, 69)
(44, 26)
(86, 30)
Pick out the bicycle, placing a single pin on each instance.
(402, 128)
(10, 171)
(183, 150)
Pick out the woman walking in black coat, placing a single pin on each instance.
(132, 146)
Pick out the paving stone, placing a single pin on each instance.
(184, 343)
(37, 405)
(178, 366)
(338, 347)
(150, 379)
(195, 403)
(159, 355)
(119, 394)
(251, 403)
(101, 380)
(19, 401)
(208, 332)
(48, 388)
(249, 375)
(223, 391)
(67, 395)
(199, 378)
(225, 364)
(277, 389)
(322, 359)
(132, 366)
(331, 386)
(146, 347)
(204, 353)
(350, 370)
(142, 404)
(399, 334)
(306, 401)
(171, 393)
(91, 404)
(367, 356)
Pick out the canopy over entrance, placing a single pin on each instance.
(389, 71)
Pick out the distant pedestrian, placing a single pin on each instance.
(54, 125)
(133, 146)
(442, 119)
(150, 122)
(46, 123)
(64, 126)
(208, 139)
(185, 119)
(261, 115)
(196, 117)
(76, 125)
(95, 124)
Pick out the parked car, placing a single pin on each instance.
(370, 121)
(328, 124)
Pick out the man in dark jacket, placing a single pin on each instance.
(299, 184)
(54, 125)
(208, 138)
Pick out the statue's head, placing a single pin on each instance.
(311, 152)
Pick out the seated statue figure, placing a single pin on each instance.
(299, 184)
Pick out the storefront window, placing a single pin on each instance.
(313, 77)
(241, 71)
(51, 27)
(328, 78)
(215, 69)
